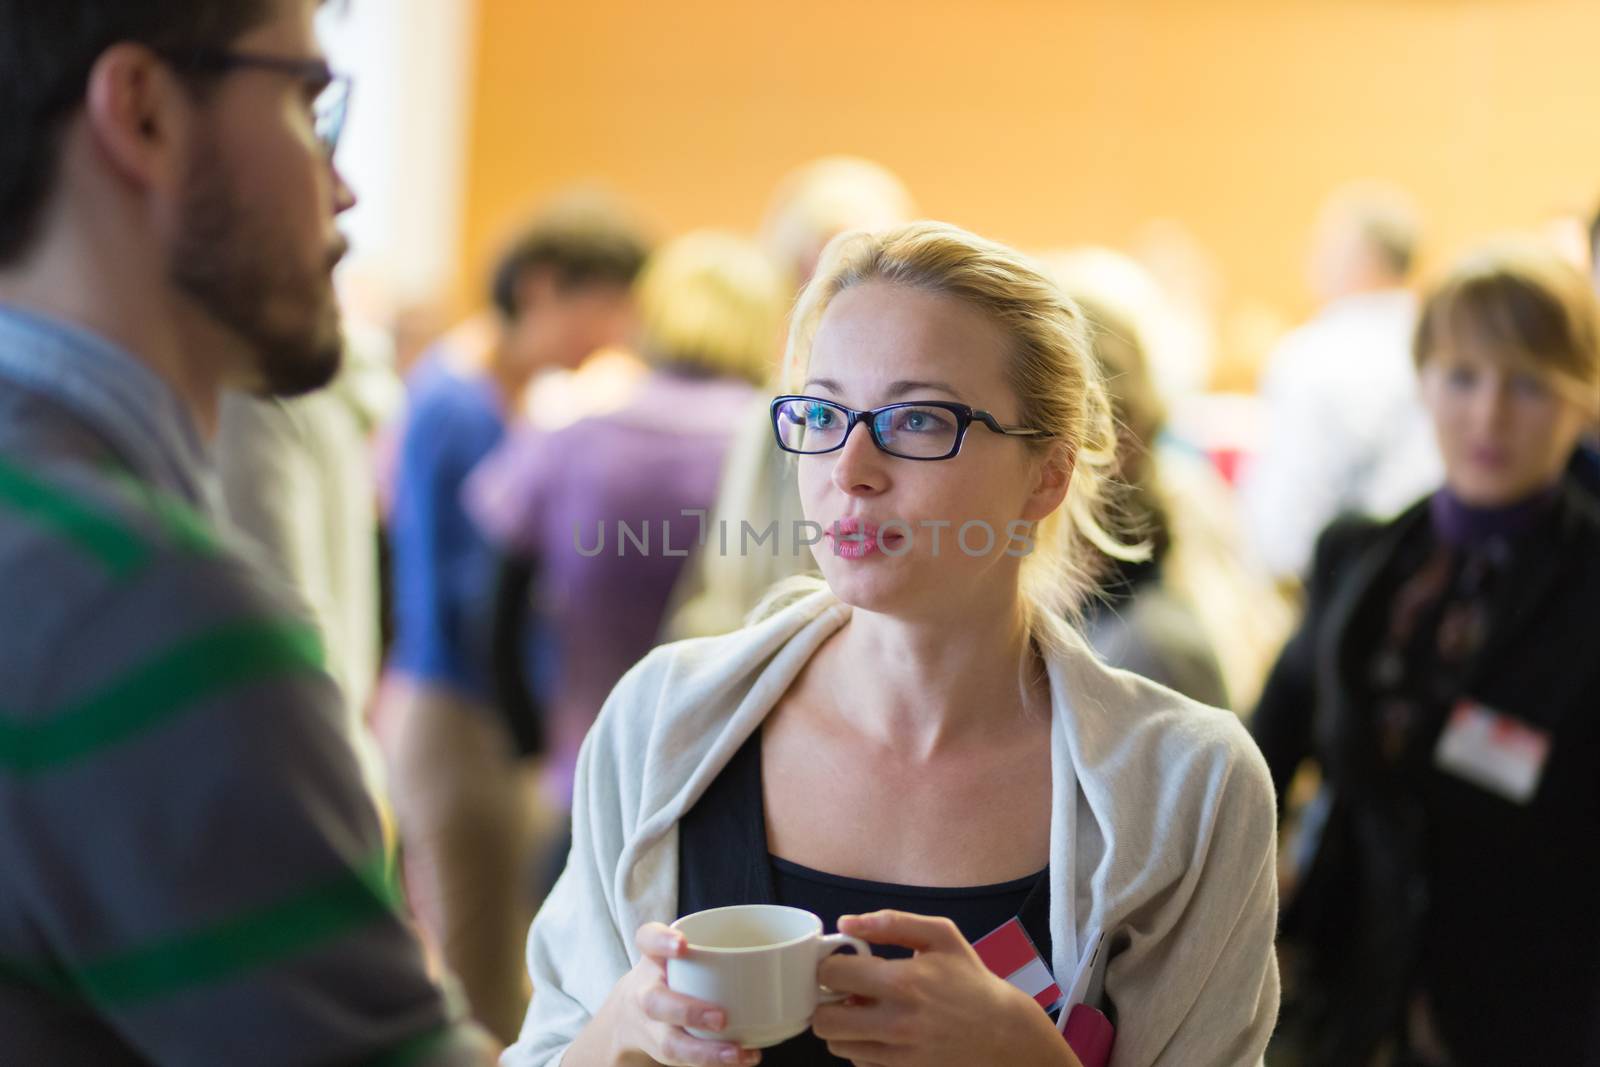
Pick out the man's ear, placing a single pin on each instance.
(1052, 479)
(138, 116)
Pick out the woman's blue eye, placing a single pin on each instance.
(820, 416)
(1461, 377)
(917, 420)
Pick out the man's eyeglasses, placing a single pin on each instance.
(333, 90)
(929, 429)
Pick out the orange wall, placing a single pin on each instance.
(1046, 122)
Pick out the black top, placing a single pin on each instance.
(723, 860)
(1425, 882)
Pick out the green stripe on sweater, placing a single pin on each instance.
(72, 519)
(156, 690)
(225, 950)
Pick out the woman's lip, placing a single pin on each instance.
(1489, 457)
(855, 539)
(856, 530)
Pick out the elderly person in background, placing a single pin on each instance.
(1446, 681)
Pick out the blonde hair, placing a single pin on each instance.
(712, 301)
(1052, 372)
(824, 198)
(1527, 304)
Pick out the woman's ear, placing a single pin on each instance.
(1052, 479)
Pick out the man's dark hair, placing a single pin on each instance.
(583, 239)
(48, 48)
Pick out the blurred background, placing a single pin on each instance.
(580, 229)
(1202, 137)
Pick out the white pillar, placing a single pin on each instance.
(405, 142)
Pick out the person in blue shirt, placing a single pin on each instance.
(466, 809)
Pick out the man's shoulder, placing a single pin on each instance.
(109, 575)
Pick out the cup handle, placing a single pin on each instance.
(827, 946)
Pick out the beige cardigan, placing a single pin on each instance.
(1162, 840)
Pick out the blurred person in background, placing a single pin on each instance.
(718, 590)
(1344, 431)
(1206, 568)
(1139, 622)
(1445, 681)
(468, 811)
(192, 869)
(298, 481)
(711, 309)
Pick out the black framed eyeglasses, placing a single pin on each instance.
(333, 89)
(924, 429)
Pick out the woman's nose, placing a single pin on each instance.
(1489, 406)
(858, 467)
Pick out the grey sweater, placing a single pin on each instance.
(191, 870)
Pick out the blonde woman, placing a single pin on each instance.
(919, 750)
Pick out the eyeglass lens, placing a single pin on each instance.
(329, 113)
(911, 431)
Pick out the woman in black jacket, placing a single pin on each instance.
(1446, 680)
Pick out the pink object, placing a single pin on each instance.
(1010, 953)
(1090, 1035)
(1228, 462)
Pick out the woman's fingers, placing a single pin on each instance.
(660, 941)
(871, 1021)
(684, 1050)
(921, 933)
(865, 976)
(664, 1006)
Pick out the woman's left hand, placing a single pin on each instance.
(942, 1006)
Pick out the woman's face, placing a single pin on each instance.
(1506, 430)
(931, 537)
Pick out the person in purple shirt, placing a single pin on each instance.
(598, 516)
(560, 293)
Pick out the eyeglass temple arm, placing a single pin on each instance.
(1010, 431)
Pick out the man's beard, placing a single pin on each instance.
(233, 263)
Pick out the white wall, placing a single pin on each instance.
(404, 145)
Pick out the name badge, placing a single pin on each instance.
(1493, 751)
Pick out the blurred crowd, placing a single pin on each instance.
(1366, 557)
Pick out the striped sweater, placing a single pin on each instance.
(191, 871)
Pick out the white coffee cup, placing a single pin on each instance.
(758, 962)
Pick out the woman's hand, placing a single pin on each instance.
(646, 1019)
(942, 1006)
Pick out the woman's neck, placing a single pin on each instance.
(926, 686)
(1469, 526)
